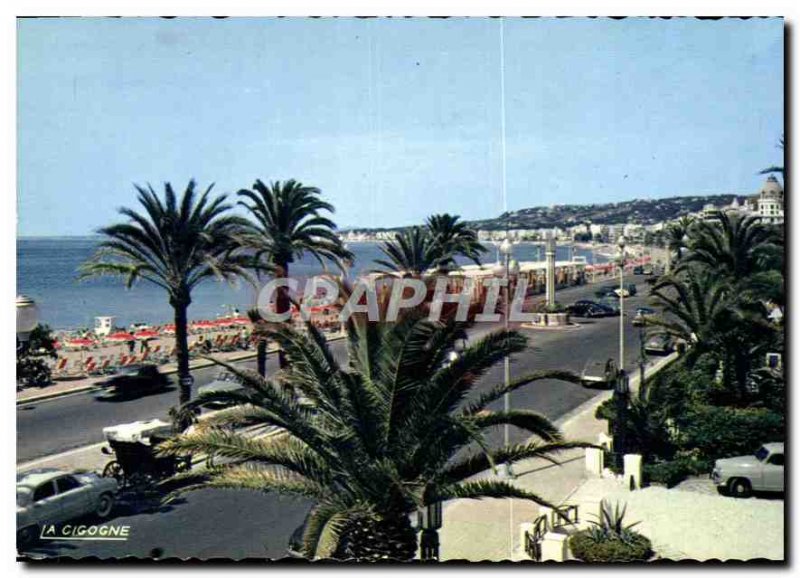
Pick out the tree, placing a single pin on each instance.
(175, 244)
(451, 238)
(732, 246)
(372, 441)
(678, 236)
(411, 253)
(289, 223)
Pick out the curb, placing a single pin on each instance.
(203, 363)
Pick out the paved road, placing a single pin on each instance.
(214, 522)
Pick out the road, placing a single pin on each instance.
(221, 523)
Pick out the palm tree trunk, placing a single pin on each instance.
(282, 305)
(182, 348)
(391, 538)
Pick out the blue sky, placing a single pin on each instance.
(392, 119)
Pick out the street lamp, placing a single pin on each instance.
(505, 248)
(621, 393)
(27, 320)
(429, 520)
(621, 256)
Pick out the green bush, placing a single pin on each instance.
(720, 432)
(673, 472)
(584, 547)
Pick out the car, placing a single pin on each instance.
(599, 374)
(587, 309)
(52, 496)
(760, 472)
(612, 304)
(642, 313)
(647, 270)
(134, 382)
(638, 270)
(604, 291)
(225, 381)
(627, 291)
(660, 344)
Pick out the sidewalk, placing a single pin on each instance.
(478, 530)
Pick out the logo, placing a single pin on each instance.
(111, 532)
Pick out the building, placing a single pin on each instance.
(769, 202)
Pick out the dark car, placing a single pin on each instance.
(611, 303)
(134, 382)
(660, 344)
(587, 309)
(638, 270)
(603, 291)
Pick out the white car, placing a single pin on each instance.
(50, 496)
(761, 472)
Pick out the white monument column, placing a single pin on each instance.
(550, 257)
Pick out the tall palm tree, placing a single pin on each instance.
(733, 246)
(452, 237)
(289, 222)
(175, 244)
(412, 252)
(677, 237)
(372, 441)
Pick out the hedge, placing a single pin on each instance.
(585, 548)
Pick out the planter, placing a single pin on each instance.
(557, 319)
(614, 550)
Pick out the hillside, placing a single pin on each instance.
(642, 211)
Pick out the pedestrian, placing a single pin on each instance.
(131, 346)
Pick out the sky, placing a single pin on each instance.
(393, 119)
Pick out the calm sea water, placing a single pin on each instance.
(47, 271)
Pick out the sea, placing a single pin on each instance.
(47, 271)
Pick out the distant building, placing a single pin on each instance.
(769, 202)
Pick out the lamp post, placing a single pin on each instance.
(621, 255)
(621, 393)
(27, 320)
(506, 248)
(429, 520)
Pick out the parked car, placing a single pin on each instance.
(599, 374)
(647, 270)
(588, 309)
(642, 313)
(51, 496)
(603, 291)
(627, 291)
(661, 344)
(760, 472)
(135, 382)
(225, 381)
(638, 270)
(612, 304)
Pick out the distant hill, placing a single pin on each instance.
(641, 211)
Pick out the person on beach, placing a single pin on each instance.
(131, 346)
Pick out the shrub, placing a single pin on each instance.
(585, 547)
(721, 432)
(673, 472)
(543, 307)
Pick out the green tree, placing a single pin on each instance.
(176, 244)
(412, 252)
(289, 222)
(452, 237)
(677, 237)
(372, 441)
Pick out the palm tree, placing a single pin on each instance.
(452, 237)
(372, 441)
(733, 246)
(289, 223)
(175, 244)
(411, 253)
(677, 237)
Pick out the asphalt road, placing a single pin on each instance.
(238, 524)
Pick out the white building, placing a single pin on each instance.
(769, 203)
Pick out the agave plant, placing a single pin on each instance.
(396, 428)
(610, 524)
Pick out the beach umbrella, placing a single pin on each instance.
(146, 334)
(79, 343)
(223, 322)
(240, 321)
(168, 330)
(120, 337)
(203, 324)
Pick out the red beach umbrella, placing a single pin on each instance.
(79, 342)
(146, 334)
(168, 329)
(120, 337)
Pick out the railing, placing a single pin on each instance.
(541, 525)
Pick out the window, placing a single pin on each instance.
(44, 491)
(762, 454)
(66, 484)
(776, 459)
